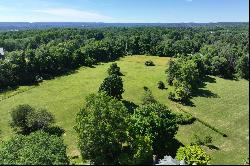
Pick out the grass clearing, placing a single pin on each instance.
(224, 104)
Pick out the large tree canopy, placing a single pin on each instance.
(38, 148)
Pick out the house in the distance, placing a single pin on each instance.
(1, 53)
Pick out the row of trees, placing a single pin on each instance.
(35, 54)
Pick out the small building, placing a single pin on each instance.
(1, 53)
(168, 160)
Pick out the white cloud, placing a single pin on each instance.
(69, 14)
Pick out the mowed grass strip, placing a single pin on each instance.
(65, 95)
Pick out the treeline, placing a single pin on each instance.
(34, 55)
(187, 73)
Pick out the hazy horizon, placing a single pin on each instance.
(121, 11)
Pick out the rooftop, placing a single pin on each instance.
(1, 51)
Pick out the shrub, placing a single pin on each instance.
(148, 98)
(161, 85)
(208, 140)
(184, 119)
(101, 126)
(40, 120)
(38, 148)
(193, 154)
(26, 119)
(180, 93)
(112, 86)
(149, 63)
(201, 141)
(19, 118)
(114, 69)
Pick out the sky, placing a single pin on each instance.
(124, 11)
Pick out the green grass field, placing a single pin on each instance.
(222, 104)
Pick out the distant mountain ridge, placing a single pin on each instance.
(16, 26)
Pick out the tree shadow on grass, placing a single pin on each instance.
(209, 79)
(201, 92)
(213, 147)
(55, 130)
(204, 93)
(188, 103)
(172, 147)
(130, 106)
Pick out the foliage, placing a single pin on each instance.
(101, 126)
(138, 152)
(184, 119)
(205, 140)
(180, 93)
(114, 69)
(229, 91)
(19, 118)
(148, 98)
(185, 75)
(40, 120)
(156, 122)
(242, 67)
(37, 148)
(26, 119)
(161, 85)
(193, 154)
(149, 63)
(112, 86)
(52, 52)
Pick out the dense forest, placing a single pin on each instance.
(34, 55)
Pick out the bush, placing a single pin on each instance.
(193, 154)
(38, 148)
(112, 86)
(161, 85)
(180, 93)
(148, 98)
(101, 126)
(184, 119)
(25, 119)
(202, 141)
(114, 69)
(149, 63)
(40, 120)
(19, 118)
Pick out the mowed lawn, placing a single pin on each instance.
(225, 105)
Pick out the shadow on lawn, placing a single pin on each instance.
(130, 106)
(172, 147)
(200, 92)
(213, 147)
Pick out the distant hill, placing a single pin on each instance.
(16, 26)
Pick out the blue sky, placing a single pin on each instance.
(151, 11)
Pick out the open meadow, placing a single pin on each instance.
(221, 104)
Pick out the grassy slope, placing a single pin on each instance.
(64, 96)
